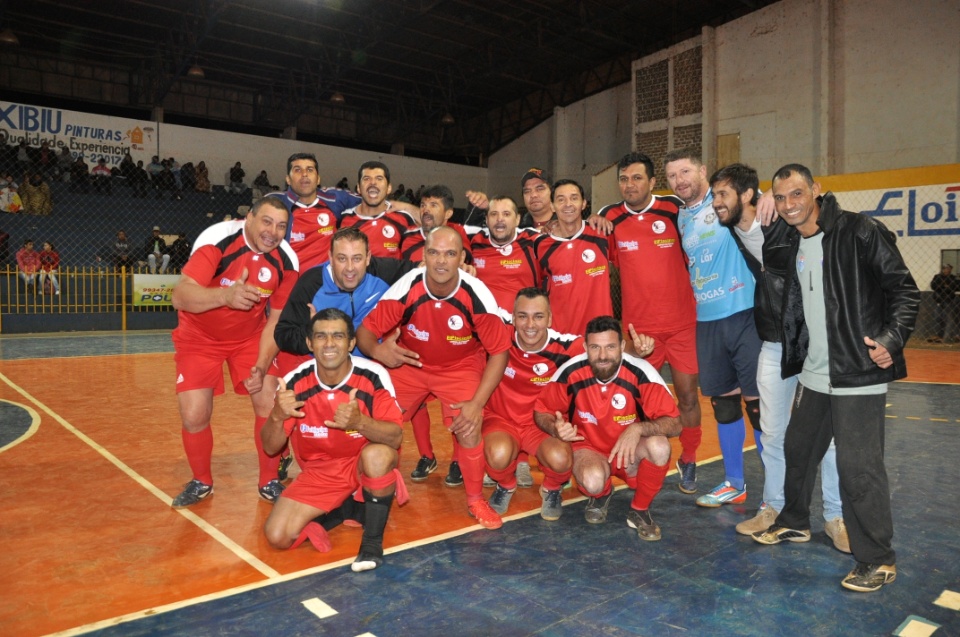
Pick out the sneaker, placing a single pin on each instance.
(488, 481)
(688, 476)
(776, 534)
(271, 491)
(866, 578)
(643, 522)
(486, 517)
(723, 493)
(596, 511)
(454, 477)
(500, 500)
(524, 479)
(425, 466)
(764, 519)
(837, 531)
(552, 506)
(283, 471)
(193, 492)
(367, 560)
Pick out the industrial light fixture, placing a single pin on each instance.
(196, 72)
(8, 38)
(338, 98)
(447, 119)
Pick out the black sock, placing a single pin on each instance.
(377, 513)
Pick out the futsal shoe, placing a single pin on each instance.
(271, 491)
(283, 471)
(486, 517)
(688, 476)
(500, 500)
(643, 522)
(723, 493)
(454, 476)
(596, 511)
(524, 478)
(776, 534)
(193, 492)
(425, 466)
(866, 578)
(551, 507)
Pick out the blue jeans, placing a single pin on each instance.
(776, 399)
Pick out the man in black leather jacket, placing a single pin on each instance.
(849, 306)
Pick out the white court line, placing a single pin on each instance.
(208, 528)
(318, 607)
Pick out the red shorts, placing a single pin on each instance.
(415, 384)
(529, 437)
(285, 363)
(677, 348)
(325, 485)
(200, 362)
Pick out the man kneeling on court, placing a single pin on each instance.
(617, 412)
(341, 415)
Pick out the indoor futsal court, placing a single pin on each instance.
(90, 456)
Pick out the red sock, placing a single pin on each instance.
(471, 465)
(553, 480)
(199, 448)
(523, 456)
(649, 480)
(421, 432)
(268, 465)
(316, 534)
(689, 443)
(506, 478)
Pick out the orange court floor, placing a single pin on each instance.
(88, 534)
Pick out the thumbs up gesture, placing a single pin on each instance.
(241, 296)
(347, 416)
(286, 405)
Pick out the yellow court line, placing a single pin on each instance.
(211, 530)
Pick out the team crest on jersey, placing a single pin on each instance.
(314, 431)
(588, 256)
(455, 322)
(388, 231)
(264, 275)
(506, 250)
(658, 226)
(540, 369)
(619, 401)
(710, 217)
(323, 220)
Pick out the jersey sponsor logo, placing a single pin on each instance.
(540, 369)
(699, 281)
(659, 226)
(314, 431)
(479, 262)
(705, 257)
(420, 335)
(587, 417)
(388, 231)
(735, 284)
(588, 256)
(664, 243)
(510, 372)
(707, 235)
(627, 419)
(596, 271)
(628, 246)
(562, 279)
(455, 323)
(458, 340)
(619, 401)
(323, 220)
(297, 237)
(225, 282)
(264, 275)
(506, 250)
(709, 295)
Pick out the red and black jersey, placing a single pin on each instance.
(450, 332)
(654, 281)
(509, 268)
(220, 255)
(527, 373)
(411, 248)
(385, 231)
(313, 441)
(601, 411)
(576, 273)
(311, 232)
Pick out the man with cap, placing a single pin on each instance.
(156, 249)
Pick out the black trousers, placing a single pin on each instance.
(856, 423)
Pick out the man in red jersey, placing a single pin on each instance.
(618, 413)
(436, 208)
(656, 296)
(452, 344)
(236, 268)
(341, 416)
(574, 263)
(383, 223)
(508, 426)
(505, 257)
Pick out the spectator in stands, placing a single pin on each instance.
(46, 159)
(236, 180)
(28, 261)
(174, 167)
(64, 162)
(139, 180)
(156, 250)
(9, 199)
(154, 168)
(947, 312)
(121, 252)
(203, 178)
(188, 174)
(102, 177)
(343, 184)
(49, 263)
(24, 159)
(79, 176)
(35, 195)
(261, 185)
(179, 252)
(127, 167)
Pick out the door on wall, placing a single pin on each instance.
(728, 149)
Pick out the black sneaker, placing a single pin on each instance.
(688, 476)
(425, 466)
(776, 534)
(193, 492)
(284, 468)
(500, 500)
(866, 578)
(368, 559)
(271, 491)
(454, 477)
